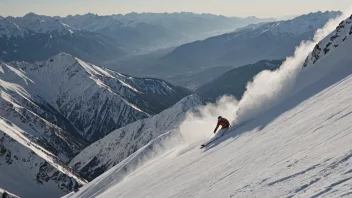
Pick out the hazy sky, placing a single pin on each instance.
(260, 8)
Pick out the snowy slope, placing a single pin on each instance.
(9, 195)
(10, 29)
(118, 145)
(334, 40)
(278, 157)
(300, 148)
(50, 111)
(64, 103)
(27, 174)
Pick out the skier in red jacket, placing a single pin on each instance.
(225, 124)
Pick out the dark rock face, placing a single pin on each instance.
(338, 37)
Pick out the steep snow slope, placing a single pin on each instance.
(334, 40)
(64, 103)
(9, 195)
(298, 148)
(303, 151)
(118, 145)
(27, 174)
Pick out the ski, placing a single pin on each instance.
(211, 141)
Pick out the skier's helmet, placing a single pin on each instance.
(219, 118)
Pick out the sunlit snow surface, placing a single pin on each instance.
(301, 148)
(304, 151)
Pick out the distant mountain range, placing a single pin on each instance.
(100, 39)
(268, 41)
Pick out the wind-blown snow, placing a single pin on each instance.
(299, 147)
(123, 142)
(269, 88)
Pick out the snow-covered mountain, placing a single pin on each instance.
(121, 143)
(104, 39)
(270, 41)
(299, 148)
(6, 194)
(51, 110)
(27, 173)
(65, 103)
(10, 29)
(35, 37)
(42, 24)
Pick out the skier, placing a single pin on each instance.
(225, 124)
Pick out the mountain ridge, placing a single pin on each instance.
(277, 40)
(65, 103)
(102, 155)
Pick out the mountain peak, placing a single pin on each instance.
(62, 56)
(190, 101)
(31, 15)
